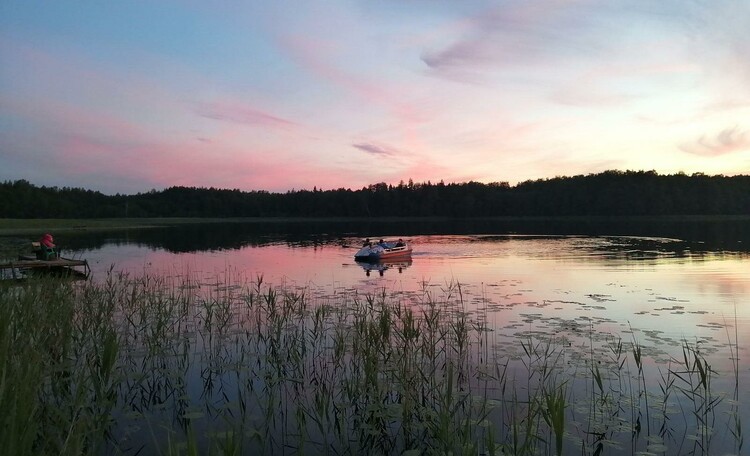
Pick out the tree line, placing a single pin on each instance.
(610, 193)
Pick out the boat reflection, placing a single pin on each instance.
(381, 266)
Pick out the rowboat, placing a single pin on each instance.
(382, 251)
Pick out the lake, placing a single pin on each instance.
(695, 275)
(658, 286)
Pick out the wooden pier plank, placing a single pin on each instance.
(59, 262)
(26, 263)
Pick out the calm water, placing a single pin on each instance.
(646, 277)
(659, 284)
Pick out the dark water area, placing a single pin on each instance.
(691, 236)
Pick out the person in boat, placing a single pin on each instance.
(382, 244)
(367, 243)
(400, 243)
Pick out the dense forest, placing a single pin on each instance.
(611, 193)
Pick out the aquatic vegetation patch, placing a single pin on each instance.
(170, 365)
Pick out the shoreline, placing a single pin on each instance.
(16, 227)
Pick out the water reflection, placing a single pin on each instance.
(586, 291)
(685, 237)
(382, 266)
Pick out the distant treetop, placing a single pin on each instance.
(607, 193)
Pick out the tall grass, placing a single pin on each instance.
(58, 351)
(156, 365)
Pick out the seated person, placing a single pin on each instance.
(47, 248)
(400, 243)
(47, 241)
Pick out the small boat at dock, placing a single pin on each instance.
(382, 251)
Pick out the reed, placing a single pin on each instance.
(140, 365)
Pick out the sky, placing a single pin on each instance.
(128, 96)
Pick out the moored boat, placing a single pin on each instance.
(383, 250)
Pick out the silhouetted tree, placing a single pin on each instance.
(621, 193)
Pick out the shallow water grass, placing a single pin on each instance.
(157, 365)
(59, 368)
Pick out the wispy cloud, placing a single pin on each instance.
(513, 34)
(719, 40)
(611, 85)
(725, 105)
(727, 141)
(242, 114)
(296, 95)
(377, 149)
(579, 96)
(321, 59)
(188, 163)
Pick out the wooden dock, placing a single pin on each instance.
(76, 268)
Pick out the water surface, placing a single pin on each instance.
(680, 279)
(583, 285)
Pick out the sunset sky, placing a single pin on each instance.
(128, 96)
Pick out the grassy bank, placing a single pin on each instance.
(35, 226)
(152, 365)
(15, 227)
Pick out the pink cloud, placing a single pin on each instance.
(508, 34)
(589, 95)
(726, 105)
(727, 141)
(593, 87)
(239, 113)
(56, 116)
(391, 95)
(377, 149)
(69, 73)
(159, 165)
(425, 169)
(87, 146)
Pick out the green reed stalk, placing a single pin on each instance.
(736, 426)
(553, 411)
(258, 368)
